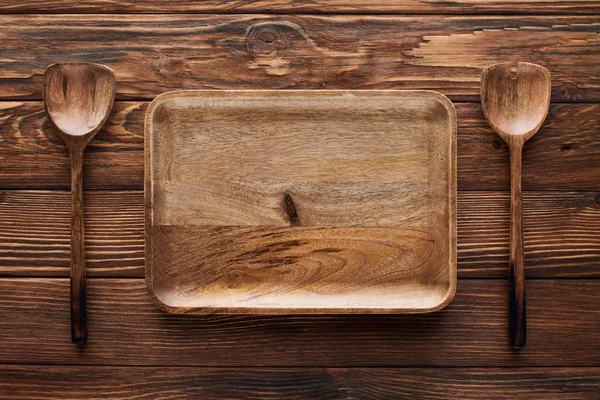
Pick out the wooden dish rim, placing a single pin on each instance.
(148, 210)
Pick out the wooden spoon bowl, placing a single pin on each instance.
(78, 98)
(515, 99)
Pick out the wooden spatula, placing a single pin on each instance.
(515, 100)
(78, 98)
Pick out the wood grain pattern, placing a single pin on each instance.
(35, 233)
(562, 156)
(464, 7)
(153, 54)
(300, 52)
(559, 157)
(561, 234)
(274, 202)
(126, 383)
(78, 98)
(126, 328)
(515, 99)
(34, 156)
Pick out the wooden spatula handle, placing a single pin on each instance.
(78, 312)
(517, 310)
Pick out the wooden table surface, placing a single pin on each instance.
(137, 351)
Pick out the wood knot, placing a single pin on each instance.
(566, 147)
(569, 92)
(598, 199)
(339, 374)
(290, 210)
(266, 41)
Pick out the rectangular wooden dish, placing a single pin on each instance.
(286, 202)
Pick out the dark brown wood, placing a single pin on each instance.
(156, 53)
(464, 7)
(126, 328)
(34, 156)
(561, 234)
(300, 52)
(517, 311)
(78, 99)
(515, 99)
(35, 237)
(83, 382)
(562, 156)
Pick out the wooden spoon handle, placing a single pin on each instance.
(78, 312)
(517, 310)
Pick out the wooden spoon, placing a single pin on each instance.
(515, 100)
(78, 98)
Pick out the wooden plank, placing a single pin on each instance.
(33, 156)
(562, 231)
(126, 328)
(155, 53)
(563, 155)
(79, 382)
(560, 156)
(463, 7)
(35, 233)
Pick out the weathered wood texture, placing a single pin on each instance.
(563, 155)
(126, 328)
(35, 235)
(562, 234)
(155, 53)
(99, 382)
(464, 7)
(34, 156)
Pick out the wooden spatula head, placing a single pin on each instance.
(515, 98)
(78, 97)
